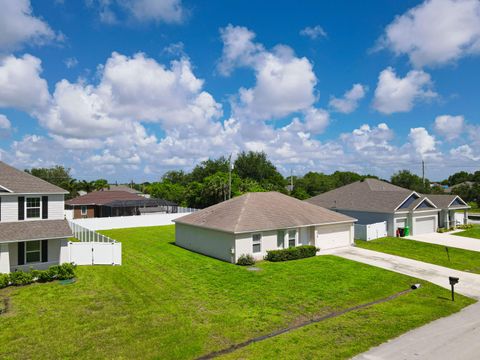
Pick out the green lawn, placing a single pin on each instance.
(168, 303)
(460, 259)
(473, 232)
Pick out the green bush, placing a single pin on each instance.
(292, 253)
(19, 278)
(46, 275)
(246, 260)
(4, 280)
(465, 226)
(65, 271)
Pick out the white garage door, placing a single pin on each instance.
(333, 236)
(424, 225)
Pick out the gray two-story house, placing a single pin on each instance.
(33, 231)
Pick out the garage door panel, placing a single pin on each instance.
(330, 237)
(424, 225)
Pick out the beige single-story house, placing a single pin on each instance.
(257, 222)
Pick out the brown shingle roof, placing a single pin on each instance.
(18, 181)
(122, 188)
(34, 230)
(262, 211)
(375, 196)
(443, 201)
(103, 197)
(367, 195)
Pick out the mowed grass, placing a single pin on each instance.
(165, 302)
(474, 232)
(460, 259)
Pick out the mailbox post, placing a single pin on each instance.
(453, 281)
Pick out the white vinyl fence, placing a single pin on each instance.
(93, 248)
(95, 253)
(370, 231)
(121, 222)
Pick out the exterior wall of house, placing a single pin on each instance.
(366, 218)
(54, 248)
(209, 242)
(77, 212)
(4, 258)
(9, 207)
(244, 243)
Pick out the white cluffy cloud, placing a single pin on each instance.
(18, 26)
(313, 32)
(5, 126)
(284, 84)
(395, 94)
(435, 32)
(423, 143)
(349, 102)
(131, 89)
(166, 11)
(450, 127)
(465, 152)
(20, 83)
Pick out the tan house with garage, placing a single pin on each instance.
(33, 232)
(257, 222)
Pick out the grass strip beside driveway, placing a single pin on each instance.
(454, 258)
(472, 233)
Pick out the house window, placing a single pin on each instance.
(83, 210)
(33, 208)
(256, 243)
(280, 239)
(33, 251)
(291, 238)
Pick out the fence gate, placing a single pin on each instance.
(93, 248)
(95, 253)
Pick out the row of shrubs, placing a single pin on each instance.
(293, 253)
(56, 272)
(462, 227)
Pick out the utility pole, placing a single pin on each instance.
(423, 173)
(230, 177)
(291, 180)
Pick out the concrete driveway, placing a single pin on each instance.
(469, 284)
(447, 239)
(454, 337)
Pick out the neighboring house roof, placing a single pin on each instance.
(122, 188)
(261, 211)
(448, 201)
(34, 230)
(379, 196)
(367, 195)
(16, 181)
(103, 197)
(465, 183)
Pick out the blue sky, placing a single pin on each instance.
(130, 89)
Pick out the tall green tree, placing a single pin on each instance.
(407, 180)
(459, 178)
(256, 166)
(209, 167)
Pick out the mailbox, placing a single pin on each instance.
(453, 280)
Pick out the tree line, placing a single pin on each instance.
(215, 180)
